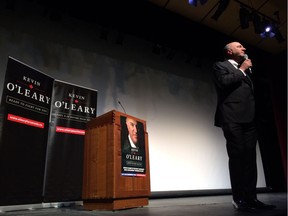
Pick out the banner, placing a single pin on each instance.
(132, 147)
(25, 109)
(72, 107)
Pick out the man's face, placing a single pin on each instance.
(132, 129)
(236, 49)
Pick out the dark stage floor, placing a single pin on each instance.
(188, 206)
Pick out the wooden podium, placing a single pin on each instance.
(104, 185)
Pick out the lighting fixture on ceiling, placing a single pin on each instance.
(244, 16)
(223, 4)
(268, 30)
(194, 2)
(265, 26)
(257, 23)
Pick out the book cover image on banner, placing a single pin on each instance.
(72, 107)
(25, 108)
(132, 147)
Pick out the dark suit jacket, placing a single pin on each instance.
(235, 96)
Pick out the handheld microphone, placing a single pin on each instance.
(122, 106)
(246, 57)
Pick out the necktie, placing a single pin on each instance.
(249, 81)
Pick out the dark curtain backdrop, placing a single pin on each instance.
(271, 83)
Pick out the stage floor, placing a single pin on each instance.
(186, 206)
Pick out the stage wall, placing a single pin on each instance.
(186, 151)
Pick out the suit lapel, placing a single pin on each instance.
(249, 81)
(247, 78)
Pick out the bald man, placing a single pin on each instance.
(235, 114)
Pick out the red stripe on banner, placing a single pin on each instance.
(70, 130)
(133, 174)
(25, 121)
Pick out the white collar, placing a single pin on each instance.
(131, 142)
(234, 63)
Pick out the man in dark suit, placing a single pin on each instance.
(235, 114)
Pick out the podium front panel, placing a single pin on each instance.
(105, 185)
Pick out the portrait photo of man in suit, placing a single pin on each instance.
(132, 139)
(132, 146)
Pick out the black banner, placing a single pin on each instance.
(72, 107)
(25, 109)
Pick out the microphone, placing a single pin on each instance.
(246, 57)
(122, 106)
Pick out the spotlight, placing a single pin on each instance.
(257, 23)
(194, 2)
(244, 16)
(266, 26)
(268, 30)
(223, 4)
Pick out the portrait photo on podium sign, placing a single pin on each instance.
(132, 147)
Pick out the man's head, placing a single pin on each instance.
(132, 129)
(235, 51)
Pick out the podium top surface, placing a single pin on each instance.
(111, 117)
